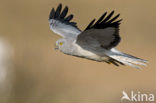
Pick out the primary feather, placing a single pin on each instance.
(61, 24)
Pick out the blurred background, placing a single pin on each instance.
(31, 71)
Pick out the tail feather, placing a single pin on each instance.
(136, 58)
(127, 59)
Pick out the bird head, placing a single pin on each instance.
(59, 44)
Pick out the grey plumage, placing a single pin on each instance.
(97, 42)
(103, 38)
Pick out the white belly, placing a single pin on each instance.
(87, 54)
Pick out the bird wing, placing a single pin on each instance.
(104, 33)
(60, 23)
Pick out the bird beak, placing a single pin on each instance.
(56, 47)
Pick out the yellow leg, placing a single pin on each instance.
(109, 62)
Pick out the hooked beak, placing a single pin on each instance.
(56, 47)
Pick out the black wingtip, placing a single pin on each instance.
(101, 18)
(52, 14)
(108, 17)
(58, 11)
(57, 14)
(113, 19)
(64, 12)
(60, 4)
(70, 17)
(90, 24)
(105, 21)
(61, 15)
(119, 20)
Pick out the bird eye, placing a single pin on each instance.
(61, 43)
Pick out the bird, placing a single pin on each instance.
(96, 42)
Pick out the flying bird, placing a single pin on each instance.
(96, 42)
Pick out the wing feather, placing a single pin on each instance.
(108, 17)
(105, 32)
(90, 24)
(101, 18)
(70, 17)
(61, 24)
(52, 14)
(64, 12)
(58, 11)
(113, 18)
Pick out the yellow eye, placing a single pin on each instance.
(61, 43)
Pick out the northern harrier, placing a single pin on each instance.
(97, 42)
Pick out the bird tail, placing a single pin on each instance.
(127, 59)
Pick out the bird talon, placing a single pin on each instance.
(109, 62)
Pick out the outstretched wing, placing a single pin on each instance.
(60, 23)
(104, 33)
